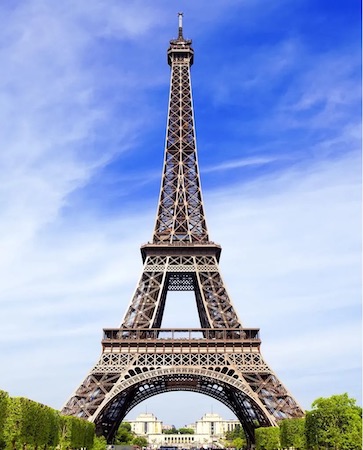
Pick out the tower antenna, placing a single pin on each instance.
(180, 16)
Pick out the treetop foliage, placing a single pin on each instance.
(235, 438)
(25, 423)
(292, 433)
(182, 430)
(267, 438)
(334, 422)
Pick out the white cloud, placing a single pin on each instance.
(290, 252)
(243, 162)
(292, 262)
(291, 240)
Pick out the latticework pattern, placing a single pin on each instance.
(181, 273)
(180, 215)
(238, 377)
(221, 359)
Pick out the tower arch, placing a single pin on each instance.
(230, 390)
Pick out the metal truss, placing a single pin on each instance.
(221, 359)
(181, 273)
(180, 216)
(231, 369)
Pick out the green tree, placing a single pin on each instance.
(334, 422)
(4, 409)
(267, 438)
(140, 441)
(238, 442)
(126, 426)
(172, 430)
(39, 424)
(54, 428)
(185, 431)
(89, 435)
(292, 433)
(76, 433)
(29, 423)
(124, 435)
(99, 443)
(65, 435)
(234, 437)
(15, 430)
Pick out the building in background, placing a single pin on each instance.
(214, 425)
(209, 431)
(146, 424)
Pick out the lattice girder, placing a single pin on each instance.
(180, 214)
(249, 387)
(161, 274)
(184, 381)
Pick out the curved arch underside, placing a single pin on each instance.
(246, 409)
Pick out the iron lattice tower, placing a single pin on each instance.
(221, 359)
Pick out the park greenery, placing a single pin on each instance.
(28, 424)
(333, 423)
(235, 438)
(267, 438)
(124, 436)
(292, 433)
(182, 430)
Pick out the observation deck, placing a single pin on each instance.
(181, 248)
(181, 340)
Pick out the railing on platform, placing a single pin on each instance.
(181, 334)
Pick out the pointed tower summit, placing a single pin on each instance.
(180, 215)
(221, 359)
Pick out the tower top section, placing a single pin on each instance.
(180, 217)
(180, 34)
(180, 49)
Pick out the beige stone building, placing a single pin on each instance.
(208, 431)
(214, 425)
(146, 424)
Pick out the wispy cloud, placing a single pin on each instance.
(243, 162)
(81, 104)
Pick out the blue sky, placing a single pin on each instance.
(83, 104)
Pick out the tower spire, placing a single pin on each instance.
(180, 216)
(180, 33)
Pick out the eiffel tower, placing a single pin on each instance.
(222, 359)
